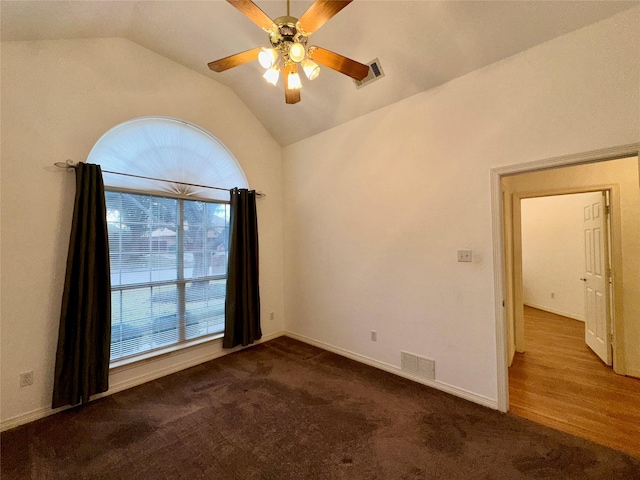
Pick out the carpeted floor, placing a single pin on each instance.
(285, 410)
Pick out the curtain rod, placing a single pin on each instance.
(70, 165)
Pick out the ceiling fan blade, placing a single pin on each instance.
(291, 96)
(234, 60)
(319, 12)
(339, 63)
(253, 13)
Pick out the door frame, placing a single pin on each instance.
(517, 300)
(503, 297)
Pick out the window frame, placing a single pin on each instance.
(180, 282)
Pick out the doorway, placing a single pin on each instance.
(614, 170)
(565, 263)
(623, 187)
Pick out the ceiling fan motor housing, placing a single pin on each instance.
(286, 34)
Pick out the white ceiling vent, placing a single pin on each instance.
(375, 72)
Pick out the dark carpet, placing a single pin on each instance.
(286, 410)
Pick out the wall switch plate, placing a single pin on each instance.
(272, 316)
(374, 336)
(464, 255)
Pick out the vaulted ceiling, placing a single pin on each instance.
(420, 44)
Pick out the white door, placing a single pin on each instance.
(596, 279)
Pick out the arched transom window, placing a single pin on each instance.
(167, 238)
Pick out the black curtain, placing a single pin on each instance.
(84, 337)
(242, 303)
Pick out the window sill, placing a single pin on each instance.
(135, 361)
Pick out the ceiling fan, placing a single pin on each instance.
(288, 37)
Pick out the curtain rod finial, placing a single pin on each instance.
(69, 165)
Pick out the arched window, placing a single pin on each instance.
(167, 238)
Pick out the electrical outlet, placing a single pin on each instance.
(464, 255)
(272, 316)
(26, 378)
(374, 336)
(553, 295)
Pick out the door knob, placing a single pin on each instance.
(583, 279)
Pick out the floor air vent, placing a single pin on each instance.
(420, 366)
(375, 72)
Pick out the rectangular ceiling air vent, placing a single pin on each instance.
(375, 72)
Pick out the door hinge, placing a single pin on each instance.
(607, 210)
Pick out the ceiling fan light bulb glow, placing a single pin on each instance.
(311, 69)
(272, 75)
(297, 52)
(294, 81)
(267, 57)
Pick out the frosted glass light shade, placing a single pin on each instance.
(272, 75)
(311, 69)
(169, 149)
(267, 57)
(294, 81)
(297, 52)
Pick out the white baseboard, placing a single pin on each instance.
(29, 417)
(631, 372)
(139, 380)
(132, 382)
(553, 310)
(445, 387)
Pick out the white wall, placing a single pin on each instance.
(375, 209)
(553, 253)
(58, 98)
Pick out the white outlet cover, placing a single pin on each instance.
(26, 379)
(465, 255)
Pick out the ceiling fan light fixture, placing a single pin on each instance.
(272, 75)
(297, 52)
(267, 57)
(288, 37)
(311, 69)
(294, 81)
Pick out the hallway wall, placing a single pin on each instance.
(553, 252)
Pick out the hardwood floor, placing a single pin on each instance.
(561, 383)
